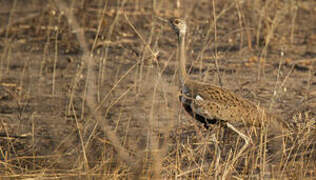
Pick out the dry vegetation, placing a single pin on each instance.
(87, 88)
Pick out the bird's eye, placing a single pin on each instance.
(176, 21)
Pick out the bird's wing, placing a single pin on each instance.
(207, 109)
(216, 103)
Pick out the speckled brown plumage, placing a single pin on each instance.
(221, 104)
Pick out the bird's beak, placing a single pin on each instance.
(163, 20)
(166, 21)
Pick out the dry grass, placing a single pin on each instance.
(87, 89)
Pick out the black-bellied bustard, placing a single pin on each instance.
(208, 103)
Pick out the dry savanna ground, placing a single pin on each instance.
(88, 88)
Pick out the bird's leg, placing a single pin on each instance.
(242, 135)
(247, 141)
(217, 148)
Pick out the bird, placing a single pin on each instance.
(211, 104)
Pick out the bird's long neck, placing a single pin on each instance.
(182, 75)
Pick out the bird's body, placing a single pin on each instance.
(208, 102)
(217, 104)
(211, 104)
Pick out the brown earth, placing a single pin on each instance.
(111, 110)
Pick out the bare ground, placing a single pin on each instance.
(111, 110)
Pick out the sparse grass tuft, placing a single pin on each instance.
(87, 88)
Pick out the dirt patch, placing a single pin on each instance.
(265, 50)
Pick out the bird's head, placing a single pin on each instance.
(178, 25)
